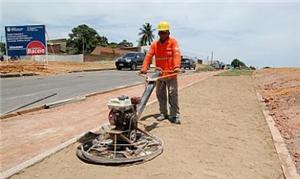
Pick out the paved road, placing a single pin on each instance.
(16, 92)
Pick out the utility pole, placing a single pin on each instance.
(5, 48)
(1, 41)
(212, 55)
(83, 47)
(207, 59)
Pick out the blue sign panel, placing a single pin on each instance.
(25, 40)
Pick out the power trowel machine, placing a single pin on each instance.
(121, 141)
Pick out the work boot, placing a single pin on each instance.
(162, 117)
(175, 119)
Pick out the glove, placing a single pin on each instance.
(143, 71)
(176, 70)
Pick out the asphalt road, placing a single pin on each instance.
(16, 92)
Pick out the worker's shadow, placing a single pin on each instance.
(89, 136)
(144, 118)
(152, 126)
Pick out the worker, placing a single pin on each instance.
(168, 58)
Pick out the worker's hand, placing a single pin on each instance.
(176, 70)
(143, 71)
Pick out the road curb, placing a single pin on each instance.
(91, 70)
(87, 70)
(287, 164)
(11, 75)
(33, 109)
(65, 101)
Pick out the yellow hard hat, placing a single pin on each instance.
(163, 26)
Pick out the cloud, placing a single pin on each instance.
(261, 34)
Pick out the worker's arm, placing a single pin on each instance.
(176, 54)
(148, 58)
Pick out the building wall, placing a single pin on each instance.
(55, 48)
(103, 57)
(59, 58)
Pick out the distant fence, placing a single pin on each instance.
(102, 57)
(58, 58)
(69, 58)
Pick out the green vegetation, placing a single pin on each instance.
(113, 45)
(125, 43)
(236, 72)
(146, 33)
(252, 68)
(84, 38)
(2, 48)
(236, 63)
(122, 44)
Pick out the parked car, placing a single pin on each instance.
(188, 63)
(131, 60)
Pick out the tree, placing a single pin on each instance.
(125, 43)
(113, 44)
(102, 41)
(85, 37)
(252, 68)
(146, 33)
(2, 48)
(236, 63)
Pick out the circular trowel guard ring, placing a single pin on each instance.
(117, 150)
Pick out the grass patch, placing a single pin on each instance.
(204, 68)
(236, 73)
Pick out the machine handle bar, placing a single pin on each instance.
(162, 71)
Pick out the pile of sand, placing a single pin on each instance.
(44, 68)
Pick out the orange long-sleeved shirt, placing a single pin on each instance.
(167, 55)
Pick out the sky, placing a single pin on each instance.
(260, 33)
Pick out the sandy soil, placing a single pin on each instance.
(280, 89)
(223, 135)
(44, 68)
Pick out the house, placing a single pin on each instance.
(108, 53)
(99, 50)
(57, 46)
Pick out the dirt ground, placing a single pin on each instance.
(223, 135)
(280, 89)
(50, 68)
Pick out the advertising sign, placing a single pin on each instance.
(25, 40)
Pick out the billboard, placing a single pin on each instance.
(25, 40)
